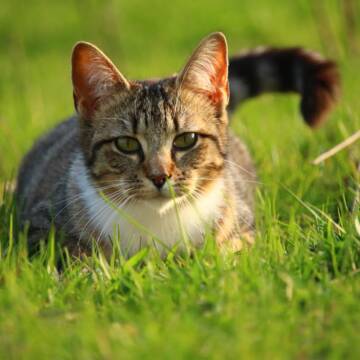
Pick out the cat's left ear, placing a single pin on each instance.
(207, 70)
(94, 77)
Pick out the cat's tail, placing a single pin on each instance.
(314, 78)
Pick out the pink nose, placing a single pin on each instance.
(159, 180)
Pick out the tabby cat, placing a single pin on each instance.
(154, 163)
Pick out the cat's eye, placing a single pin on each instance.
(185, 141)
(128, 145)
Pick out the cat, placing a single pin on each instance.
(154, 163)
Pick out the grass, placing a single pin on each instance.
(295, 294)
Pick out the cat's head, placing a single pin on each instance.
(153, 139)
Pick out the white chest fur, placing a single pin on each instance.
(162, 224)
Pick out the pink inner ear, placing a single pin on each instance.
(206, 71)
(84, 94)
(220, 79)
(94, 76)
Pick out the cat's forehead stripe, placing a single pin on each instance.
(154, 109)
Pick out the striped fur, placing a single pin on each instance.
(78, 179)
(262, 70)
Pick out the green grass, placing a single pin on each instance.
(295, 294)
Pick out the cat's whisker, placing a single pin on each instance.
(239, 167)
(83, 211)
(77, 196)
(114, 214)
(101, 210)
(242, 180)
(73, 199)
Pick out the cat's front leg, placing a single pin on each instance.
(235, 243)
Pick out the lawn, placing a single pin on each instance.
(295, 294)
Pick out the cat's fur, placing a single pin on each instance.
(76, 178)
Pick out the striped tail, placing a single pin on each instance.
(316, 79)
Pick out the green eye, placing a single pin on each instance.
(127, 144)
(185, 141)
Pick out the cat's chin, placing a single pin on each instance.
(162, 204)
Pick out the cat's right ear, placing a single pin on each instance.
(207, 70)
(94, 77)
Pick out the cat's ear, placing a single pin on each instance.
(207, 69)
(94, 77)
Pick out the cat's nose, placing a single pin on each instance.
(159, 180)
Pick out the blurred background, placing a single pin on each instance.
(154, 38)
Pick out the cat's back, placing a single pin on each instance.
(46, 163)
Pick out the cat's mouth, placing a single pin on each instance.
(165, 193)
(163, 196)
